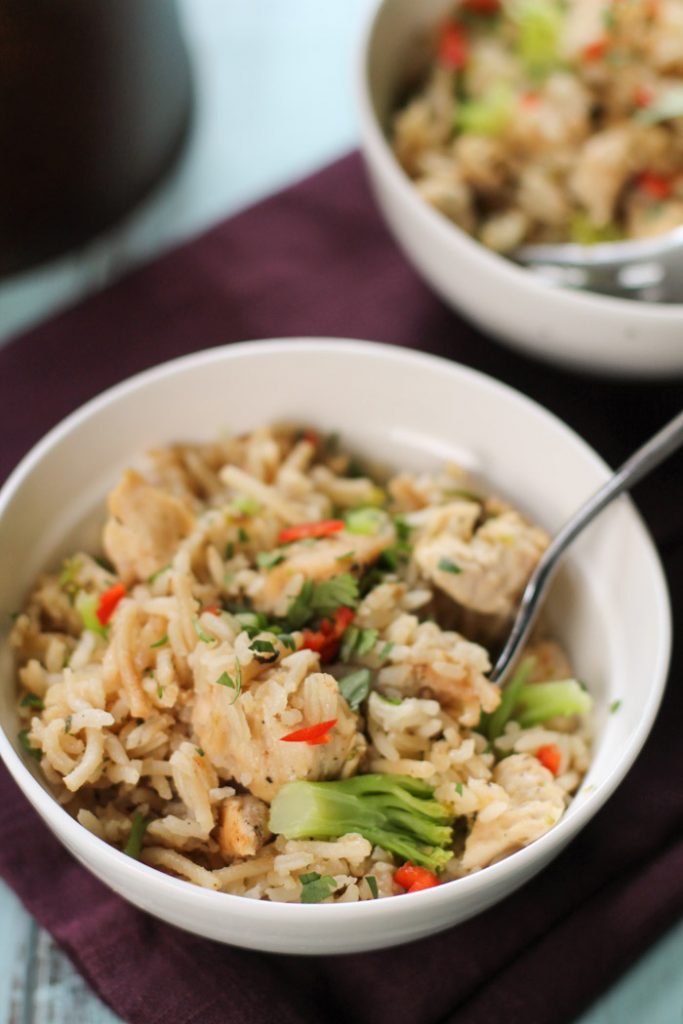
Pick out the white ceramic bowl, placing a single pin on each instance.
(579, 329)
(405, 409)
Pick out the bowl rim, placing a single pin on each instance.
(263, 912)
(375, 139)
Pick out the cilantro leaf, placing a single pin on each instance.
(315, 887)
(366, 641)
(203, 636)
(355, 687)
(269, 559)
(32, 701)
(133, 847)
(329, 595)
(261, 648)
(446, 565)
(32, 751)
(233, 684)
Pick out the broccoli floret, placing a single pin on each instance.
(395, 812)
(538, 702)
(533, 703)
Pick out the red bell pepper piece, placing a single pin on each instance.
(550, 757)
(414, 878)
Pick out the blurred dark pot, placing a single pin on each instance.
(95, 97)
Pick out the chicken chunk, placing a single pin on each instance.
(244, 826)
(536, 803)
(243, 736)
(488, 572)
(320, 561)
(144, 529)
(605, 163)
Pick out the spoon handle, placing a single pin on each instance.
(638, 465)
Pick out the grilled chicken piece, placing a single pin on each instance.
(536, 804)
(243, 736)
(487, 573)
(320, 561)
(144, 529)
(244, 826)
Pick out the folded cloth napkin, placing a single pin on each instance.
(316, 260)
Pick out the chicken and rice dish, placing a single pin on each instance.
(265, 686)
(550, 120)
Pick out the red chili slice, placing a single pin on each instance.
(595, 50)
(326, 640)
(657, 186)
(108, 602)
(453, 51)
(482, 6)
(311, 734)
(323, 528)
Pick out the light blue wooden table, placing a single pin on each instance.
(274, 101)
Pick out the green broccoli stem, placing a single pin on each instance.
(493, 725)
(395, 812)
(540, 701)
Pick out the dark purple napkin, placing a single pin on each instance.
(317, 260)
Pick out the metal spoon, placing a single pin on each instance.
(649, 269)
(654, 451)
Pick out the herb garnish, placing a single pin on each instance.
(321, 599)
(386, 650)
(372, 886)
(229, 551)
(137, 833)
(261, 648)
(315, 887)
(160, 643)
(203, 636)
(32, 751)
(158, 573)
(459, 788)
(355, 687)
(67, 724)
(33, 701)
(366, 521)
(446, 565)
(243, 536)
(233, 684)
(269, 559)
(614, 706)
(245, 505)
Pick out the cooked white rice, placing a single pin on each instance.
(129, 722)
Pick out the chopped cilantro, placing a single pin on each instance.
(233, 684)
(366, 641)
(203, 636)
(390, 700)
(158, 573)
(160, 692)
(372, 886)
(243, 536)
(269, 559)
(331, 443)
(355, 687)
(287, 641)
(386, 650)
(162, 642)
(133, 847)
(446, 565)
(345, 557)
(315, 887)
(229, 551)
(349, 641)
(321, 599)
(614, 706)
(32, 701)
(86, 606)
(199, 751)
(459, 788)
(402, 528)
(67, 724)
(263, 647)
(32, 751)
(330, 594)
